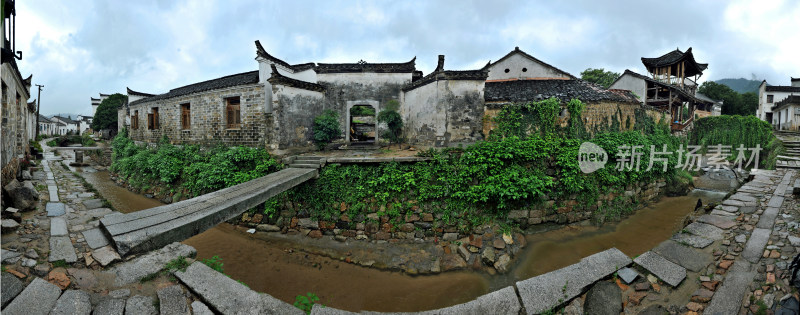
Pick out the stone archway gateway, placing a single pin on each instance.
(361, 119)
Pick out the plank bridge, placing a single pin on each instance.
(154, 228)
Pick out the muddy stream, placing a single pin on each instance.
(277, 267)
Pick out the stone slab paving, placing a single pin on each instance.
(198, 308)
(704, 230)
(723, 213)
(52, 190)
(110, 307)
(775, 202)
(687, 257)
(767, 219)
(228, 296)
(728, 298)
(73, 302)
(140, 267)
(10, 287)
(543, 292)
(722, 222)
(142, 305)
(662, 268)
(55, 209)
(105, 255)
(93, 204)
(95, 238)
(61, 249)
(731, 209)
(172, 301)
(692, 240)
(503, 301)
(628, 274)
(755, 245)
(734, 203)
(58, 227)
(38, 298)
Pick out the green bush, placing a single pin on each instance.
(326, 128)
(200, 171)
(306, 302)
(393, 120)
(362, 111)
(736, 130)
(214, 263)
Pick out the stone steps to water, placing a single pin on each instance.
(134, 270)
(549, 290)
(153, 228)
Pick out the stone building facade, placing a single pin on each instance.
(275, 106)
(18, 115)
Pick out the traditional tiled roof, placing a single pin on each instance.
(676, 89)
(440, 74)
(795, 79)
(132, 92)
(782, 88)
(94, 99)
(261, 52)
(363, 66)
(706, 98)
(104, 95)
(44, 119)
(791, 99)
(277, 78)
(520, 91)
(28, 80)
(674, 57)
(250, 77)
(526, 55)
(64, 119)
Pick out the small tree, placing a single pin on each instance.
(106, 115)
(599, 76)
(326, 128)
(393, 120)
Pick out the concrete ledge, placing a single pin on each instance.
(227, 296)
(156, 227)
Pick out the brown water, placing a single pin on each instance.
(635, 235)
(276, 267)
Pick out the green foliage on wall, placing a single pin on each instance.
(106, 115)
(199, 171)
(735, 131)
(326, 128)
(529, 159)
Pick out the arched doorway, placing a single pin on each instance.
(362, 124)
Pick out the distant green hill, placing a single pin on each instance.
(741, 85)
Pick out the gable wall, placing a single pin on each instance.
(515, 64)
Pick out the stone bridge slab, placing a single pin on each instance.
(546, 291)
(664, 269)
(153, 228)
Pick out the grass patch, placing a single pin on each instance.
(60, 264)
(215, 263)
(179, 263)
(150, 277)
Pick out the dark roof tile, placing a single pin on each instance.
(277, 78)
(260, 51)
(250, 77)
(363, 66)
(520, 91)
(132, 92)
(674, 57)
(782, 88)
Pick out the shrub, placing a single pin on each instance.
(306, 302)
(326, 128)
(392, 118)
(214, 263)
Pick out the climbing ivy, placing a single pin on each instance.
(738, 130)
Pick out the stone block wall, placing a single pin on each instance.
(208, 120)
(292, 120)
(444, 113)
(16, 116)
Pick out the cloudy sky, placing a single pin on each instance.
(80, 48)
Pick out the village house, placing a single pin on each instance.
(275, 106)
(671, 87)
(787, 115)
(770, 95)
(66, 125)
(19, 116)
(47, 127)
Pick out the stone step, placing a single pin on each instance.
(686, 257)
(544, 292)
(37, 299)
(728, 297)
(10, 287)
(227, 296)
(172, 301)
(767, 219)
(134, 270)
(662, 268)
(296, 165)
(73, 302)
(755, 245)
(95, 238)
(58, 227)
(61, 249)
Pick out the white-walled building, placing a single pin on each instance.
(65, 125)
(769, 95)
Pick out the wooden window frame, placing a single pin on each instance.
(233, 112)
(135, 120)
(186, 116)
(152, 119)
(770, 98)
